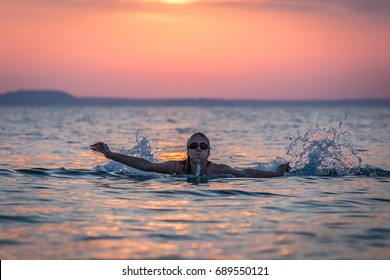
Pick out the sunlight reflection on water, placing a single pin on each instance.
(53, 206)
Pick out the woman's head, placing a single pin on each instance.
(198, 146)
(198, 134)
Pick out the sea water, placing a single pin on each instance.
(60, 200)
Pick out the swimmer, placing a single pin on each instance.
(198, 152)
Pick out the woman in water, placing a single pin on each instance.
(198, 151)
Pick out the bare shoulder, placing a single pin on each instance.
(216, 168)
(168, 167)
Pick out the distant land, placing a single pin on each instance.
(60, 98)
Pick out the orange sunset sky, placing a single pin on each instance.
(232, 49)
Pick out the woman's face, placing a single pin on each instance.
(198, 153)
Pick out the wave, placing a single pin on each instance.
(120, 172)
(53, 173)
(372, 172)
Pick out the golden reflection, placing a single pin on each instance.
(125, 249)
(26, 162)
(179, 228)
(51, 161)
(163, 204)
(174, 156)
(84, 157)
(70, 241)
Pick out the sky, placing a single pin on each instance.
(230, 49)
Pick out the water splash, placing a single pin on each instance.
(272, 165)
(324, 152)
(142, 149)
(196, 179)
(197, 170)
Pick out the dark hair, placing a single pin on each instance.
(187, 166)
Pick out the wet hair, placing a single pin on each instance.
(187, 165)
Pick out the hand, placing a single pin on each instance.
(102, 148)
(283, 168)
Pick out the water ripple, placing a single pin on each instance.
(380, 199)
(20, 219)
(219, 193)
(372, 234)
(183, 237)
(10, 242)
(102, 237)
(371, 172)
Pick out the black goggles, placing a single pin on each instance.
(194, 145)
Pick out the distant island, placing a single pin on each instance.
(60, 98)
(37, 98)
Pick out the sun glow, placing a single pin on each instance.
(177, 2)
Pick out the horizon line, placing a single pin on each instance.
(191, 99)
(236, 99)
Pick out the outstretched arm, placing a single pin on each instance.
(135, 162)
(253, 173)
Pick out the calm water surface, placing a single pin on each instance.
(59, 200)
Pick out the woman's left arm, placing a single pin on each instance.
(253, 173)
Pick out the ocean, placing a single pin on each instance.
(60, 200)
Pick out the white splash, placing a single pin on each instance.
(272, 165)
(141, 149)
(324, 152)
(197, 170)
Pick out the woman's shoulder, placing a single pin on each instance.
(218, 168)
(178, 166)
(168, 167)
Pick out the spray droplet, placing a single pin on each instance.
(197, 170)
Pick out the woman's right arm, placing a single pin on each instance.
(168, 167)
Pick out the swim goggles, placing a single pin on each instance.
(194, 145)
